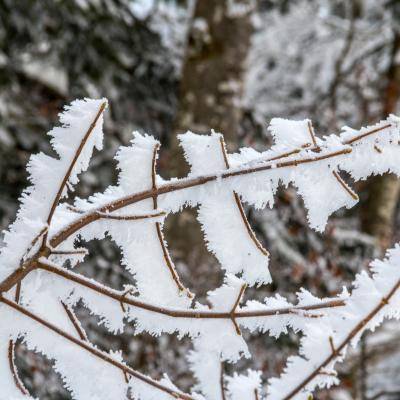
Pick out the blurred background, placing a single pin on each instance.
(167, 66)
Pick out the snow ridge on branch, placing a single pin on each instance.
(38, 291)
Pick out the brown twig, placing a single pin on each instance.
(128, 291)
(68, 252)
(170, 264)
(154, 173)
(74, 320)
(97, 353)
(256, 397)
(175, 186)
(239, 204)
(74, 209)
(169, 187)
(345, 186)
(13, 368)
(312, 134)
(72, 165)
(221, 382)
(365, 134)
(333, 349)
(11, 353)
(131, 217)
(336, 350)
(181, 313)
(233, 311)
(160, 236)
(33, 242)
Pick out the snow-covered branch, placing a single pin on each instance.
(38, 291)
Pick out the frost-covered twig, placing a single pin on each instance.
(91, 349)
(44, 235)
(234, 314)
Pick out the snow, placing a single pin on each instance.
(166, 307)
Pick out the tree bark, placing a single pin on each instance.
(383, 191)
(210, 98)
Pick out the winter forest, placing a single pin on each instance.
(199, 199)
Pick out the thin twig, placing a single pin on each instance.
(72, 317)
(365, 134)
(154, 173)
(97, 353)
(72, 165)
(221, 382)
(233, 311)
(160, 236)
(345, 186)
(312, 134)
(42, 232)
(127, 291)
(77, 252)
(168, 187)
(181, 313)
(138, 217)
(336, 350)
(11, 353)
(13, 368)
(239, 204)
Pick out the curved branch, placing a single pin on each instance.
(13, 368)
(74, 161)
(168, 187)
(11, 353)
(197, 181)
(122, 298)
(99, 354)
(186, 183)
(239, 205)
(75, 322)
(337, 349)
(160, 235)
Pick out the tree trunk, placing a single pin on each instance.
(383, 191)
(383, 194)
(210, 98)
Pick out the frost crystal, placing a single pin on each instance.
(38, 288)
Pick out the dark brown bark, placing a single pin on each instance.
(383, 191)
(210, 94)
(213, 72)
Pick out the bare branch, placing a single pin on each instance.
(99, 354)
(72, 317)
(182, 313)
(312, 134)
(233, 311)
(77, 252)
(72, 165)
(13, 368)
(11, 354)
(160, 236)
(345, 186)
(337, 349)
(221, 382)
(239, 204)
(105, 215)
(168, 187)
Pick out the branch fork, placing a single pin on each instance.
(235, 306)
